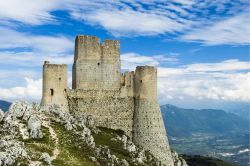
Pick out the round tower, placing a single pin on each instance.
(54, 84)
(148, 128)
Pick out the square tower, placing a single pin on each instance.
(96, 66)
(55, 79)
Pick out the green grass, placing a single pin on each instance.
(38, 146)
(73, 151)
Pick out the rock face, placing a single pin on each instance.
(33, 135)
(178, 161)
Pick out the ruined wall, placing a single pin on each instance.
(127, 84)
(96, 66)
(148, 128)
(106, 108)
(54, 84)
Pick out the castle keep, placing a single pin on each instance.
(125, 101)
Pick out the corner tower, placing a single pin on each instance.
(148, 128)
(96, 66)
(54, 84)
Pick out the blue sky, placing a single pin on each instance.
(201, 47)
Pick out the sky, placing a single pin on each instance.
(201, 47)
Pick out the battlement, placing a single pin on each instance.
(89, 47)
(96, 65)
(48, 66)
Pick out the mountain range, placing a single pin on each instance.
(182, 122)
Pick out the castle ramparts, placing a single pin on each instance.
(125, 101)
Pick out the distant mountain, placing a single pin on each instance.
(243, 112)
(4, 105)
(185, 122)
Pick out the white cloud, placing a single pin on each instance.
(28, 11)
(192, 85)
(234, 30)
(189, 20)
(33, 59)
(42, 43)
(128, 22)
(222, 81)
(32, 91)
(131, 60)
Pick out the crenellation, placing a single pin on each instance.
(126, 101)
(111, 49)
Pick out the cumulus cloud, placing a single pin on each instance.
(227, 80)
(224, 81)
(31, 91)
(25, 49)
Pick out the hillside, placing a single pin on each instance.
(208, 132)
(185, 122)
(205, 161)
(4, 105)
(34, 135)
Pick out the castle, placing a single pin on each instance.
(125, 101)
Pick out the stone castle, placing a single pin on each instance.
(125, 101)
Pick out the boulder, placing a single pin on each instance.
(46, 158)
(34, 126)
(130, 146)
(6, 159)
(18, 108)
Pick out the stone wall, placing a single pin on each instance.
(96, 66)
(148, 127)
(55, 79)
(106, 108)
(149, 131)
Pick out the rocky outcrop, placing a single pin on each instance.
(33, 135)
(178, 161)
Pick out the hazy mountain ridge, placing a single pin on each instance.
(185, 122)
(4, 105)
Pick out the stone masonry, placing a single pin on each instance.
(125, 101)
